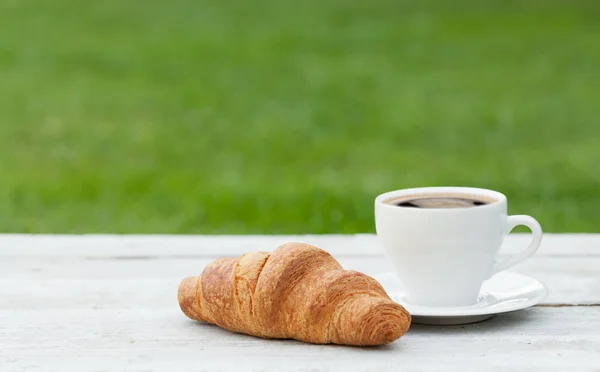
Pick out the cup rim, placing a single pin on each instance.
(498, 197)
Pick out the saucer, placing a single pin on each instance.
(502, 293)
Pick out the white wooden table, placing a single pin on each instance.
(108, 303)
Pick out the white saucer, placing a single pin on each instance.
(502, 293)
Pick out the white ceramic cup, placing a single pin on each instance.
(442, 256)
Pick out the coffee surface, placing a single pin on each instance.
(439, 202)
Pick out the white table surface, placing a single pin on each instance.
(109, 303)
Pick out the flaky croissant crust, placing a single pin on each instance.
(298, 291)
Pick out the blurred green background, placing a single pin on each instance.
(290, 117)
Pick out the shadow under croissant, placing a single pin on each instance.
(497, 324)
(242, 337)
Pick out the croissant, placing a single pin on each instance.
(298, 291)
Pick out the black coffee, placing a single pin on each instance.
(439, 202)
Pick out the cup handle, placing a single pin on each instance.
(536, 230)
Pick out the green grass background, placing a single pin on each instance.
(189, 116)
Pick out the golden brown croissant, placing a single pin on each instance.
(298, 291)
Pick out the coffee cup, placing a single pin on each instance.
(443, 242)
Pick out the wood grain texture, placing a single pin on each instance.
(108, 303)
(76, 283)
(161, 339)
(233, 245)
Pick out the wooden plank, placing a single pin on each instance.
(109, 303)
(539, 339)
(183, 246)
(571, 280)
(74, 282)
